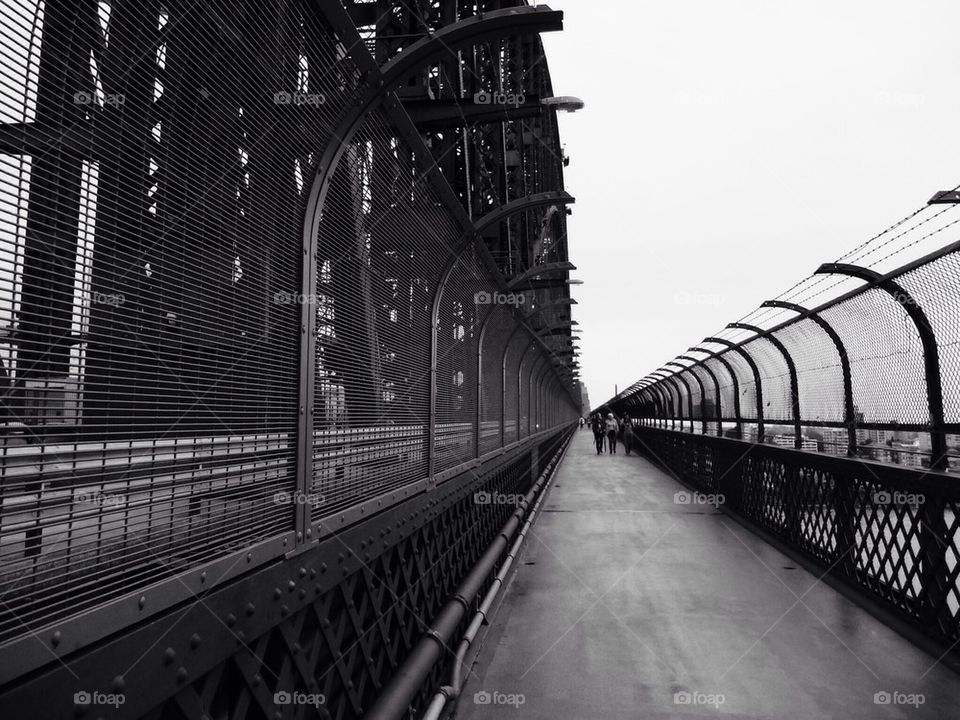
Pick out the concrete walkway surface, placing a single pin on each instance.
(629, 604)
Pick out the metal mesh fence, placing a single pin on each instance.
(875, 368)
(182, 202)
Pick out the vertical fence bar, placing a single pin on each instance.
(756, 379)
(849, 413)
(791, 369)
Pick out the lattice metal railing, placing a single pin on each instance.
(892, 532)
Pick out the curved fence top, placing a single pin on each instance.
(862, 358)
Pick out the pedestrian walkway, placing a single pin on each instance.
(628, 604)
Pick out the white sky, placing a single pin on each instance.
(728, 148)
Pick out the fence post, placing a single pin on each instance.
(849, 415)
(935, 575)
(756, 378)
(792, 370)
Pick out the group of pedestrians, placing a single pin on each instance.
(606, 431)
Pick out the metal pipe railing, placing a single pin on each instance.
(393, 701)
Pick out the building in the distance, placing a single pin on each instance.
(908, 454)
(789, 441)
(835, 441)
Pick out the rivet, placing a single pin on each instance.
(231, 620)
(257, 680)
(142, 601)
(291, 586)
(303, 572)
(323, 567)
(277, 592)
(56, 638)
(251, 608)
(181, 674)
(169, 655)
(118, 684)
(194, 641)
(313, 572)
(303, 593)
(284, 610)
(203, 577)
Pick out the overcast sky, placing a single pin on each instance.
(728, 148)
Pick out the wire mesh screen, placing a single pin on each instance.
(886, 358)
(519, 343)
(877, 366)
(936, 287)
(465, 301)
(499, 324)
(745, 383)
(696, 397)
(150, 235)
(774, 379)
(158, 164)
(819, 371)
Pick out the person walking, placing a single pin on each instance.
(613, 427)
(596, 424)
(628, 436)
(582, 422)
